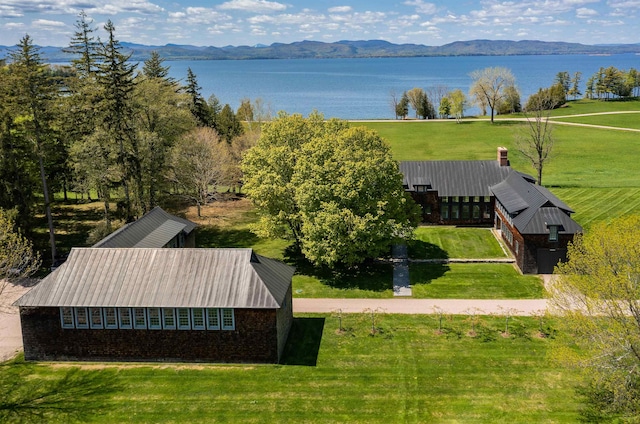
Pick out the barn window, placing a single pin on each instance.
(487, 199)
(183, 319)
(82, 318)
(168, 318)
(197, 318)
(476, 211)
(465, 211)
(455, 212)
(96, 318)
(444, 211)
(154, 318)
(124, 318)
(553, 233)
(228, 319)
(213, 319)
(66, 317)
(139, 319)
(110, 318)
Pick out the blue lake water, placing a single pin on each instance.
(360, 88)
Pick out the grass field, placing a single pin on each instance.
(628, 120)
(407, 372)
(441, 242)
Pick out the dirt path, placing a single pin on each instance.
(10, 332)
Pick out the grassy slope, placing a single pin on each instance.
(450, 242)
(406, 373)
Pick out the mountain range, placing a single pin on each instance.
(353, 49)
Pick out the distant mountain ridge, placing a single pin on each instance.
(353, 49)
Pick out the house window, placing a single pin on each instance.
(487, 212)
(421, 189)
(487, 199)
(124, 318)
(465, 211)
(154, 318)
(553, 233)
(168, 319)
(517, 247)
(476, 212)
(455, 213)
(213, 319)
(228, 319)
(96, 318)
(82, 318)
(444, 211)
(197, 318)
(110, 318)
(139, 319)
(183, 319)
(445, 199)
(426, 209)
(476, 199)
(455, 199)
(66, 317)
(465, 199)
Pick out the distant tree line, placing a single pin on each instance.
(104, 128)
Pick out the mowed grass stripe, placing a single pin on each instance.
(599, 204)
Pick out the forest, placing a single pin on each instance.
(115, 131)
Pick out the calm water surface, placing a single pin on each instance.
(360, 88)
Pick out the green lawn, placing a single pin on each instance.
(472, 281)
(407, 372)
(628, 120)
(440, 242)
(595, 106)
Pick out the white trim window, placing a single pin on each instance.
(155, 321)
(124, 318)
(184, 321)
(110, 318)
(168, 318)
(213, 319)
(66, 317)
(197, 318)
(95, 316)
(82, 317)
(139, 319)
(228, 319)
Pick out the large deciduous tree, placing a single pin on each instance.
(17, 258)
(489, 87)
(458, 103)
(597, 293)
(335, 190)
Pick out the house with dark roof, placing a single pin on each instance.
(154, 304)
(534, 224)
(455, 192)
(156, 228)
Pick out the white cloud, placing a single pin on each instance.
(47, 24)
(584, 12)
(422, 7)
(259, 6)
(340, 9)
(198, 15)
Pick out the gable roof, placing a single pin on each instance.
(454, 177)
(154, 229)
(532, 207)
(138, 277)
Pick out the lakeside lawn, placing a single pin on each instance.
(407, 372)
(628, 120)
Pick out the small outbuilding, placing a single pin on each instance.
(156, 228)
(154, 304)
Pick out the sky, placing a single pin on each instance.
(251, 22)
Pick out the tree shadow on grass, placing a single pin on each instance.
(215, 237)
(69, 395)
(419, 249)
(424, 273)
(303, 344)
(370, 275)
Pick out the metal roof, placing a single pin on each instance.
(154, 229)
(454, 177)
(532, 207)
(139, 277)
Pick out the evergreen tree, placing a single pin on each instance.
(84, 47)
(199, 108)
(228, 125)
(153, 68)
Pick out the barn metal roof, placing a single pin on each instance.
(532, 207)
(154, 229)
(141, 277)
(454, 177)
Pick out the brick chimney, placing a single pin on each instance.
(503, 159)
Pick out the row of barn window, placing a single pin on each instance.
(148, 318)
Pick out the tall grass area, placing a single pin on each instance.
(406, 372)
